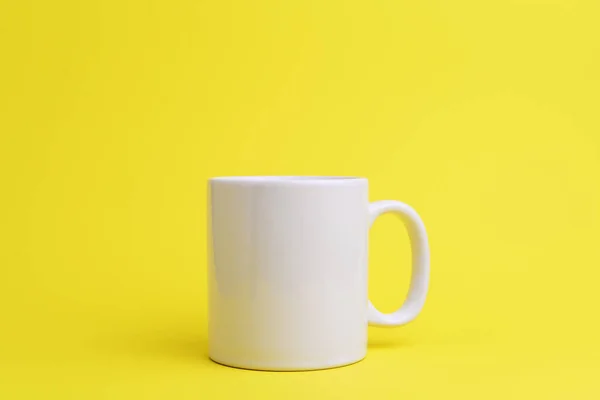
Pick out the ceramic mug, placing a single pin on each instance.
(287, 271)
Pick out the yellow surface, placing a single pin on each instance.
(483, 115)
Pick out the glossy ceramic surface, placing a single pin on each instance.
(288, 271)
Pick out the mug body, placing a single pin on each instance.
(287, 271)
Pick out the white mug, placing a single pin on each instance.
(287, 271)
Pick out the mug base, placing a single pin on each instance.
(288, 368)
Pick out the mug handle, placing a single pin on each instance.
(419, 281)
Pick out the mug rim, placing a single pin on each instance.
(290, 179)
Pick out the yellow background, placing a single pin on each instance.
(483, 115)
